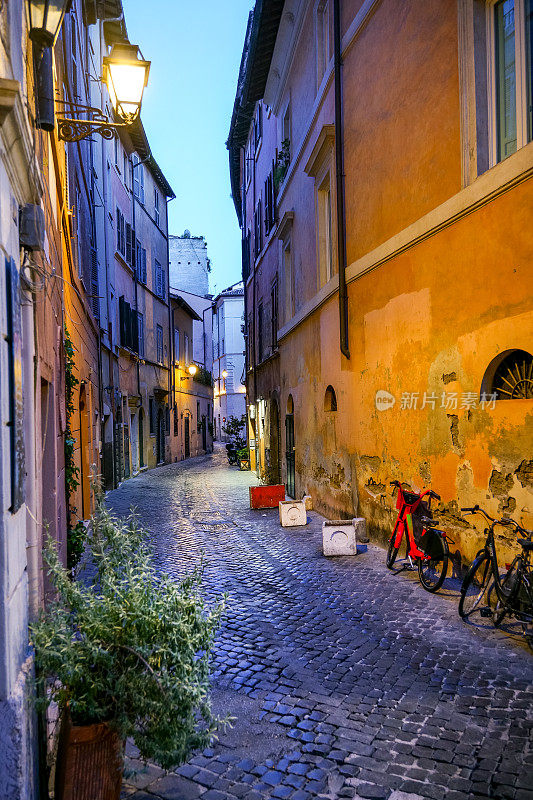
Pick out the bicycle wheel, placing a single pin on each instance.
(475, 584)
(433, 572)
(392, 552)
(509, 587)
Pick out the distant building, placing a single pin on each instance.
(189, 264)
(228, 356)
(191, 423)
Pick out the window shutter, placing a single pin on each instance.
(128, 243)
(163, 284)
(118, 230)
(143, 268)
(94, 283)
(134, 331)
(122, 321)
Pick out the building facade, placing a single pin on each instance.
(192, 387)
(228, 357)
(85, 351)
(371, 200)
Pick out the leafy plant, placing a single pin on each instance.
(243, 454)
(235, 429)
(75, 533)
(282, 162)
(131, 650)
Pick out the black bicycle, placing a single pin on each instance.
(508, 594)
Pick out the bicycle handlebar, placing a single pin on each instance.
(503, 521)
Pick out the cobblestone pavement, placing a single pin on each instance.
(346, 680)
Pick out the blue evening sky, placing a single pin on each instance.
(195, 50)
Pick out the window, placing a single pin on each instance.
(288, 280)
(121, 233)
(509, 376)
(78, 230)
(128, 326)
(258, 230)
(198, 420)
(129, 244)
(167, 420)
(140, 262)
(270, 203)
(246, 256)
(151, 415)
(260, 323)
(247, 163)
(274, 305)
(258, 126)
(510, 56)
(138, 178)
(117, 145)
(330, 399)
(250, 342)
(159, 334)
(324, 231)
(156, 207)
(175, 420)
(159, 280)
(125, 163)
(322, 39)
(176, 345)
(140, 334)
(286, 132)
(74, 55)
(186, 349)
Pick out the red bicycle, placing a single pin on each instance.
(423, 542)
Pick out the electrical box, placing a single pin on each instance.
(31, 227)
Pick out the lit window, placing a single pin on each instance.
(512, 118)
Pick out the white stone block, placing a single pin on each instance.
(292, 513)
(339, 536)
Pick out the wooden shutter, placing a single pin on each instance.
(129, 243)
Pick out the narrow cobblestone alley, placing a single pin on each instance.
(345, 680)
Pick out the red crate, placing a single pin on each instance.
(266, 496)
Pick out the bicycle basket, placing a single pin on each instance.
(431, 545)
(405, 497)
(422, 510)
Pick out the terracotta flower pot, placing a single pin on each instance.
(89, 762)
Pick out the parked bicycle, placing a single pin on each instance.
(425, 544)
(508, 594)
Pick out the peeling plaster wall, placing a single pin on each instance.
(461, 299)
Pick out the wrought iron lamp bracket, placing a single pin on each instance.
(73, 130)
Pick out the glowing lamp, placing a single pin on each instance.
(224, 373)
(44, 20)
(126, 75)
(193, 369)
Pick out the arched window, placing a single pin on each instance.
(290, 405)
(330, 399)
(509, 376)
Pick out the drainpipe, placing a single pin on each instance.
(339, 160)
(33, 544)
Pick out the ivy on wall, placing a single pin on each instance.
(75, 533)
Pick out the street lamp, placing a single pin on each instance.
(193, 369)
(45, 18)
(224, 373)
(126, 76)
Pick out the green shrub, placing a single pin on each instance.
(132, 649)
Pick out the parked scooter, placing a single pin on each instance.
(232, 454)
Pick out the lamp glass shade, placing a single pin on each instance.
(224, 373)
(45, 18)
(193, 369)
(126, 75)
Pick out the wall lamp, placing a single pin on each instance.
(44, 20)
(192, 369)
(125, 74)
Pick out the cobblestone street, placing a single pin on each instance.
(346, 680)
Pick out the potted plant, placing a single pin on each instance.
(244, 458)
(124, 655)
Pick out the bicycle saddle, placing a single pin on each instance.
(527, 544)
(427, 522)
